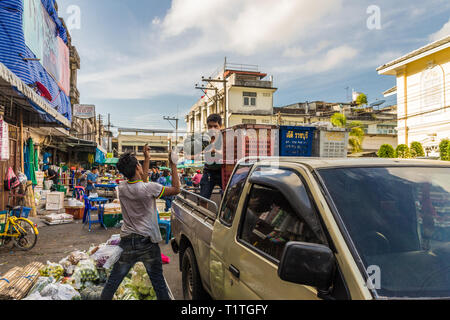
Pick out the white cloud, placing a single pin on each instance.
(246, 27)
(193, 30)
(444, 32)
(333, 58)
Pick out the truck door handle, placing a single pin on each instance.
(234, 271)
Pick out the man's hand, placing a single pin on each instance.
(147, 152)
(173, 157)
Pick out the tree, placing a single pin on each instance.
(361, 99)
(356, 139)
(386, 151)
(417, 150)
(402, 151)
(339, 120)
(443, 149)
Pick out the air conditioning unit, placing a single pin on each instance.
(319, 114)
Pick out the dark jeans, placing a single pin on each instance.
(137, 249)
(209, 180)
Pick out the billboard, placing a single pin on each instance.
(40, 33)
(83, 111)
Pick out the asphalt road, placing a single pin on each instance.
(56, 242)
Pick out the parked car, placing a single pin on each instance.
(305, 228)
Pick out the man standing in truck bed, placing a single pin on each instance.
(140, 231)
(212, 174)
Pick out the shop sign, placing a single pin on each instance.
(83, 111)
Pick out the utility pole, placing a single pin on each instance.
(176, 127)
(99, 129)
(109, 133)
(224, 82)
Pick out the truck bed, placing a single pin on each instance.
(191, 220)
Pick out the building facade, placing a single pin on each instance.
(134, 140)
(247, 98)
(423, 93)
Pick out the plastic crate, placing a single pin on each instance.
(249, 140)
(3, 216)
(296, 141)
(110, 220)
(16, 212)
(227, 171)
(77, 213)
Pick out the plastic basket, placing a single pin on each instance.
(110, 220)
(296, 141)
(16, 212)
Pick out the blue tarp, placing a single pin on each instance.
(13, 49)
(100, 157)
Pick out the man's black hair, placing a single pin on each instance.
(215, 118)
(127, 165)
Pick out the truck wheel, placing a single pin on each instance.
(192, 283)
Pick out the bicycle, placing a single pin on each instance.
(21, 230)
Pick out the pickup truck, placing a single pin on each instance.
(309, 228)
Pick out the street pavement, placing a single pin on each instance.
(56, 242)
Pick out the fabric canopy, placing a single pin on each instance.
(111, 161)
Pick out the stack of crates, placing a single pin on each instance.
(331, 143)
(246, 140)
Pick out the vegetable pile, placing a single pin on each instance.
(82, 275)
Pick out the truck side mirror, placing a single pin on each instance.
(307, 264)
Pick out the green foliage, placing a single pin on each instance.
(361, 99)
(402, 151)
(444, 149)
(355, 124)
(386, 151)
(417, 150)
(339, 120)
(356, 139)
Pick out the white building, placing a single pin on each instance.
(248, 98)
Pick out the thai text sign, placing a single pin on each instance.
(83, 111)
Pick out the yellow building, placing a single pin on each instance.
(423, 93)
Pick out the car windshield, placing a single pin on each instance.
(399, 221)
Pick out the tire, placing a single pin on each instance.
(192, 283)
(28, 241)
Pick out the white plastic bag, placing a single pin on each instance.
(57, 291)
(85, 271)
(114, 240)
(113, 258)
(106, 256)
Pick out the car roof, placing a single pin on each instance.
(321, 163)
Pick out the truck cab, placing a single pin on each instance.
(305, 228)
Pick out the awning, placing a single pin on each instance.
(17, 92)
(111, 161)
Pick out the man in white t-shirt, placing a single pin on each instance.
(140, 233)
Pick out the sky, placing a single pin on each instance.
(141, 59)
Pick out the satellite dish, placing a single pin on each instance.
(377, 103)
